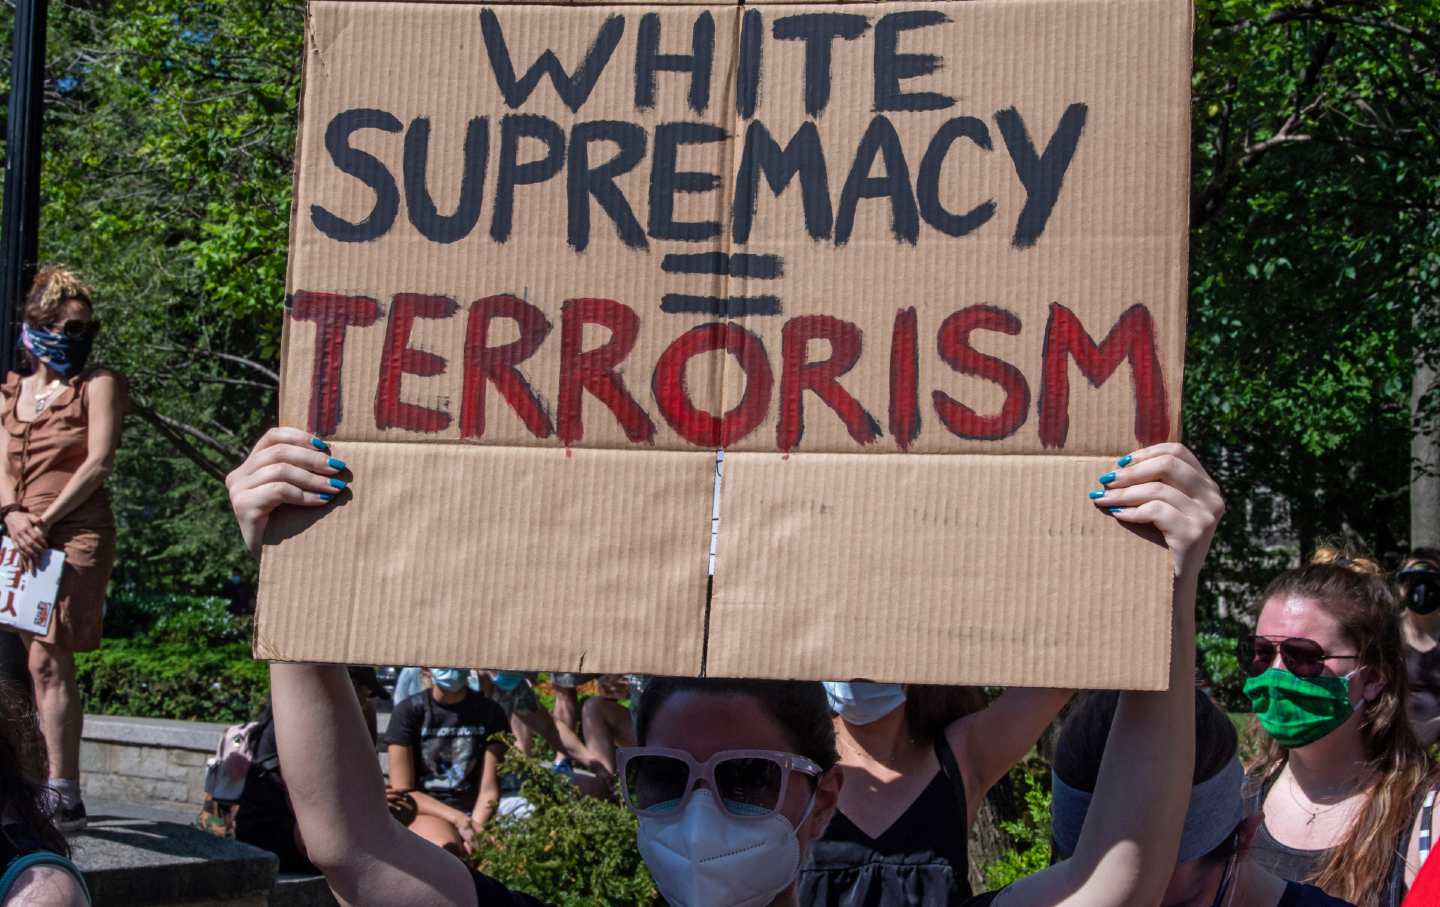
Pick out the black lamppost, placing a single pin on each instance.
(20, 229)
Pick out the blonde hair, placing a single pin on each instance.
(54, 285)
(1353, 590)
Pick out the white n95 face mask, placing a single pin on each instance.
(705, 857)
(863, 702)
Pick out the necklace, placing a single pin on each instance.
(1314, 813)
(43, 398)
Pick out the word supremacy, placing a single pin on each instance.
(810, 165)
(592, 154)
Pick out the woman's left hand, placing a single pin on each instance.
(29, 534)
(1166, 487)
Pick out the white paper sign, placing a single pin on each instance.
(27, 600)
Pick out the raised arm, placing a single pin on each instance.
(988, 742)
(326, 754)
(338, 794)
(1131, 838)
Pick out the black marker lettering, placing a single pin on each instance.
(819, 31)
(665, 181)
(752, 54)
(892, 66)
(511, 173)
(927, 186)
(803, 157)
(367, 169)
(423, 214)
(880, 138)
(584, 181)
(1042, 176)
(698, 63)
(573, 90)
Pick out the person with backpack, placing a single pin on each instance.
(733, 781)
(261, 813)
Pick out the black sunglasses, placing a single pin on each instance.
(1419, 588)
(79, 328)
(1301, 657)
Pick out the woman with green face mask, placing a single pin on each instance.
(1343, 781)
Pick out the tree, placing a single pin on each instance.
(168, 147)
(1315, 177)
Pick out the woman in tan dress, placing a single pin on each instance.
(62, 427)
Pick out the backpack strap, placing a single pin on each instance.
(1427, 816)
(39, 858)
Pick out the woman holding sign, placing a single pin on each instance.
(62, 427)
(734, 781)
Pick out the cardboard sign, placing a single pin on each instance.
(27, 599)
(918, 268)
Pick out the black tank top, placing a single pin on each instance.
(1295, 865)
(919, 861)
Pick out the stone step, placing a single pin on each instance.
(137, 855)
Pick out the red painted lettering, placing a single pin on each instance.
(798, 375)
(1132, 338)
(594, 370)
(905, 379)
(498, 364)
(694, 424)
(953, 341)
(332, 314)
(398, 359)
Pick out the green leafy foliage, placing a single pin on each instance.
(573, 851)
(181, 657)
(1030, 832)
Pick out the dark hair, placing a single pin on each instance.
(1353, 590)
(1087, 728)
(1423, 553)
(799, 707)
(22, 766)
(930, 709)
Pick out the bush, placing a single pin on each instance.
(1215, 657)
(1030, 832)
(171, 680)
(182, 657)
(572, 851)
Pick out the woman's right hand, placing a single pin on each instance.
(287, 466)
(28, 534)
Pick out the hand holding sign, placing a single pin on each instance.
(28, 587)
(28, 531)
(287, 466)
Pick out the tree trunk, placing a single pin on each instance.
(1424, 457)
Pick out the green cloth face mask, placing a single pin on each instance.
(1299, 710)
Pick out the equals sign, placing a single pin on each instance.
(741, 264)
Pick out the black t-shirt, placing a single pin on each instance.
(490, 893)
(448, 741)
(1298, 895)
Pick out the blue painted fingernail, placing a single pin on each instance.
(336, 464)
(327, 497)
(1096, 495)
(318, 444)
(1107, 478)
(1113, 509)
(1125, 461)
(338, 484)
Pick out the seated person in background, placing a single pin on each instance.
(35, 868)
(567, 697)
(443, 754)
(607, 723)
(528, 718)
(263, 817)
(1213, 868)
(1417, 586)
